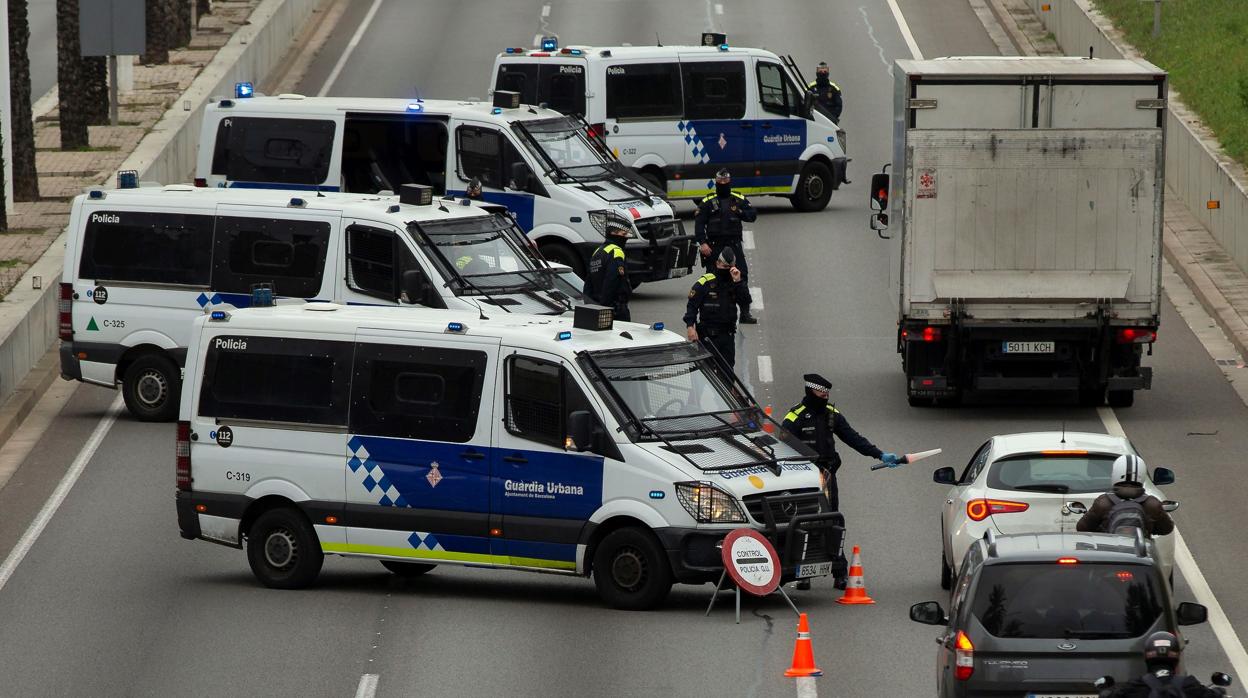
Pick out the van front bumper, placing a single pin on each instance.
(694, 553)
(669, 252)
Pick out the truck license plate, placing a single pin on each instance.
(1027, 347)
(817, 569)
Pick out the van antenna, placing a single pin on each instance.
(1090, 48)
(657, 41)
(1063, 431)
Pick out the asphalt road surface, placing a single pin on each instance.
(110, 601)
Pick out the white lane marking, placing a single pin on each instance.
(806, 687)
(747, 239)
(719, 9)
(27, 541)
(545, 10)
(764, 369)
(1221, 625)
(756, 296)
(346, 54)
(367, 687)
(905, 30)
(871, 35)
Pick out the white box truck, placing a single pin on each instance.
(1029, 193)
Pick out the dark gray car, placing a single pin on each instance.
(1046, 614)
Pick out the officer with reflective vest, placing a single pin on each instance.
(608, 272)
(827, 93)
(717, 226)
(816, 422)
(711, 314)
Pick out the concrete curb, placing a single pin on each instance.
(27, 395)
(1203, 287)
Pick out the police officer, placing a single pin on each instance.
(717, 226)
(827, 93)
(711, 314)
(608, 273)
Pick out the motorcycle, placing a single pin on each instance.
(1217, 683)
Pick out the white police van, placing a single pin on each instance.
(428, 437)
(536, 162)
(677, 114)
(141, 264)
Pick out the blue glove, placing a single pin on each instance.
(891, 460)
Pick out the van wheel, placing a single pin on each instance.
(631, 570)
(1121, 398)
(562, 253)
(814, 187)
(407, 570)
(152, 388)
(656, 180)
(283, 550)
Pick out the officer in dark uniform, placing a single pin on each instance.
(717, 226)
(608, 273)
(827, 93)
(711, 314)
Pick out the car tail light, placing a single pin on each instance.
(964, 657)
(1137, 335)
(1067, 561)
(980, 509)
(183, 451)
(65, 309)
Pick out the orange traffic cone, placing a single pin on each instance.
(856, 589)
(803, 654)
(767, 425)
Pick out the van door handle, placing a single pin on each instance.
(515, 459)
(472, 455)
(766, 125)
(746, 127)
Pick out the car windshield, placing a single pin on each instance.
(484, 254)
(1060, 474)
(562, 144)
(673, 390)
(1081, 600)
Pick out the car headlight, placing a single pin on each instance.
(707, 503)
(840, 140)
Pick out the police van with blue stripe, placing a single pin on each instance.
(677, 114)
(538, 163)
(573, 445)
(142, 263)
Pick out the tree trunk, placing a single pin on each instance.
(95, 75)
(25, 179)
(70, 77)
(205, 7)
(4, 206)
(181, 23)
(158, 20)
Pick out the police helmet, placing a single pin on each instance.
(723, 175)
(1162, 648)
(1128, 468)
(612, 223)
(821, 69)
(727, 256)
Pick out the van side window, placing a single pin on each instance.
(775, 92)
(376, 259)
(540, 396)
(386, 151)
(276, 379)
(520, 78)
(413, 392)
(562, 88)
(485, 153)
(261, 149)
(156, 248)
(288, 253)
(644, 91)
(714, 90)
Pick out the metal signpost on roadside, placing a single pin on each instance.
(1156, 17)
(752, 563)
(112, 28)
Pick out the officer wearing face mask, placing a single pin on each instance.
(827, 93)
(711, 314)
(608, 269)
(717, 227)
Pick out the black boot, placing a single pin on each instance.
(746, 318)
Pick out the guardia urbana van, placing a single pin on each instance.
(677, 114)
(570, 445)
(142, 263)
(540, 164)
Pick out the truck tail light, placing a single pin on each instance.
(980, 509)
(922, 334)
(1137, 335)
(182, 450)
(964, 657)
(65, 310)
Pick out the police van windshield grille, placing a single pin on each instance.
(1078, 601)
(562, 144)
(487, 253)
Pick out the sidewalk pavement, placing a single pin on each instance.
(1203, 264)
(34, 225)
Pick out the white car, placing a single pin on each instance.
(1031, 483)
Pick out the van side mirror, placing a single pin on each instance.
(879, 190)
(808, 105)
(580, 431)
(413, 287)
(1220, 679)
(521, 176)
(944, 476)
(1163, 476)
(1191, 613)
(928, 613)
(1169, 505)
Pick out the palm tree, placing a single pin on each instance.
(25, 179)
(95, 71)
(71, 78)
(181, 24)
(160, 17)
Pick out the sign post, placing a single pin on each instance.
(752, 563)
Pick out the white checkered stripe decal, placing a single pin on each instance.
(694, 140)
(371, 477)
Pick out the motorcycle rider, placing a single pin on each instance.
(1161, 656)
(1127, 506)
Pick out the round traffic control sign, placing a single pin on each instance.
(751, 561)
